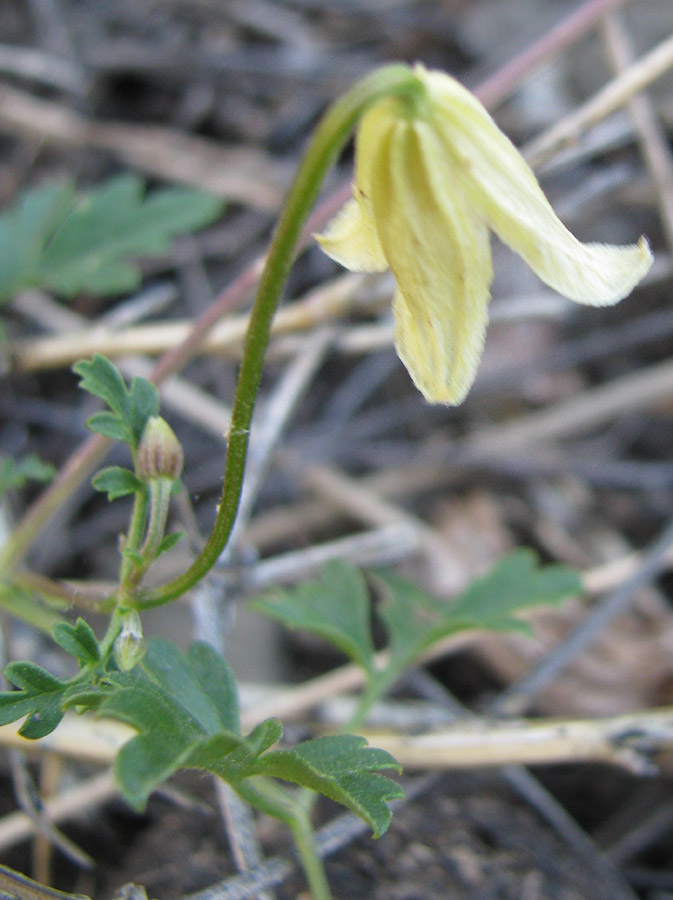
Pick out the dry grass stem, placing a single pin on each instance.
(626, 740)
(614, 95)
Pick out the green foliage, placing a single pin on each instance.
(78, 640)
(185, 708)
(342, 767)
(169, 541)
(116, 481)
(130, 408)
(14, 473)
(42, 697)
(68, 242)
(337, 607)
(39, 698)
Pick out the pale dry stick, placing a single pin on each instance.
(17, 826)
(376, 547)
(559, 38)
(46, 68)
(349, 495)
(636, 390)
(240, 827)
(614, 95)
(243, 175)
(651, 136)
(322, 304)
(330, 301)
(624, 740)
(32, 805)
(190, 401)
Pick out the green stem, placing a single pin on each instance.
(160, 499)
(127, 571)
(376, 688)
(273, 800)
(113, 629)
(328, 140)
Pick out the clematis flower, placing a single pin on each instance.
(433, 174)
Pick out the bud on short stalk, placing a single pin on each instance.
(159, 452)
(129, 646)
(159, 463)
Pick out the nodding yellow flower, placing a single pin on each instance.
(433, 173)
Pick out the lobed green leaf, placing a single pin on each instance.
(78, 640)
(39, 699)
(71, 243)
(336, 607)
(129, 408)
(343, 768)
(116, 481)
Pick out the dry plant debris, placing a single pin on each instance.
(563, 445)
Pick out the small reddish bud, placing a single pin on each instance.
(159, 452)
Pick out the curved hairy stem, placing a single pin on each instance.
(328, 140)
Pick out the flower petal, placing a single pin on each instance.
(496, 178)
(351, 238)
(440, 256)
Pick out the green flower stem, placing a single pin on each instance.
(128, 570)
(160, 498)
(328, 140)
(273, 800)
(113, 629)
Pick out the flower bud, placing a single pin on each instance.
(159, 452)
(129, 646)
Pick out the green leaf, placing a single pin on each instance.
(217, 681)
(414, 620)
(133, 556)
(110, 426)
(343, 768)
(130, 408)
(39, 698)
(70, 243)
(336, 608)
(202, 682)
(116, 481)
(14, 473)
(103, 379)
(177, 703)
(78, 640)
(169, 541)
(516, 583)
(185, 708)
(24, 229)
(144, 403)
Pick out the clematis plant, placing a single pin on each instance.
(433, 174)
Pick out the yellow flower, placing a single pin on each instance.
(432, 175)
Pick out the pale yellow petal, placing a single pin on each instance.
(440, 256)
(497, 180)
(351, 238)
